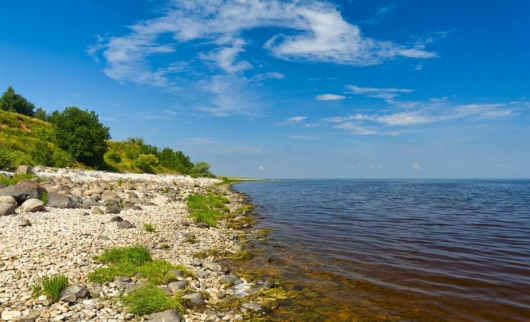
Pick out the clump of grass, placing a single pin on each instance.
(157, 271)
(51, 286)
(44, 197)
(185, 271)
(164, 246)
(242, 254)
(150, 299)
(207, 208)
(240, 222)
(191, 240)
(15, 179)
(239, 255)
(166, 190)
(149, 228)
(120, 182)
(111, 187)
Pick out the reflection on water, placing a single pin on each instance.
(398, 250)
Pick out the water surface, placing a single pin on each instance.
(401, 250)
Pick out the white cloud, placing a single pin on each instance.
(380, 14)
(417, 166)
(295, 119)
(314, 31)
(264, 76)
(377, 166)
(261, 168)
(355, 129)
(330, 97)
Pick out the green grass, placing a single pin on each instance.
(134, 260)
(207, 208)
(120, 182)
(166, 190)
(15, 179)
(150, 228)
(44, 197)
(227, 181)
(150, 299)
(51, 287)
(111, 187)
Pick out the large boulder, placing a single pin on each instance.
(110, 195)
(94, 191)
(24, 190)
(6, 209)
(57, 200)
(165, 316)
(32, 205)
(24, 169)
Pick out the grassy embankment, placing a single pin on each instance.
(29, 141)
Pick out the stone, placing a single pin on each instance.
(30, 318)
(253, 306)
(57, 200)
(125, 224)
(112, 210)
(165, 316)
(72, 293)
(23, 222)
(176, 286)
(116, 218)
(97, 210)
(122, 282)
(32, 205)
(10, 315)
(231, 279)
(6, 209)
(91, 203)
(24, 169)
(166, 290)
(211, 266)
(110, 195)
(176, 272)
(203, 274)
(194, 297)
(23, 190)
(8, 199)
(95, 191)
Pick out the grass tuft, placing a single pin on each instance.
(207, 208)
(149, 228)
(44, 197)
(51, 287)
(150, 299)
(15, 179)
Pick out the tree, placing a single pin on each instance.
(13, 102)
(167, 158)
(41, 114)
(183, 163)
(82, 135)
(202, 168)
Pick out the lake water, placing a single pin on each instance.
(398, 250)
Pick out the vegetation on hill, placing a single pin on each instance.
(75, 137)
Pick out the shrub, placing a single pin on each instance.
(82, 135)
(61, 159)
(18, 157)
(5, 160)
(42, 154)
(114, 156)
(145, 162)
(51, 286)
(120, 182)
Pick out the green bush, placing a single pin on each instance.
(61, 159)
(42, 154)
(114, 156)
(5, 160)
(145, 162)
(13, 102)
(82, 135)
(19, 158)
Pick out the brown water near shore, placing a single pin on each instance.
(463, 257)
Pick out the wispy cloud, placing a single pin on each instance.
(417, 166)
(261, 168)
(380, 14)
(293, 120)
(329, 97)
(316, 31)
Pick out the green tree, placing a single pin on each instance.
(183, 163)
(13, 102)
(42, 154)
(41, 114)
(167, 158)
(202, 168)
(82, 135)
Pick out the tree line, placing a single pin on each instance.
(81, 134)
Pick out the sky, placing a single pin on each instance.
(289, 89)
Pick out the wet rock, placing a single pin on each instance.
(231, 279)
(253, 306)
(125, 224)
(6, 209)
(165, 316)
(32, 205)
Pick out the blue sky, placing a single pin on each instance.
(362, 89)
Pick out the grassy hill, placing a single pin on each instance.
(29, 141)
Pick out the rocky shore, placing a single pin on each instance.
(86, 212)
